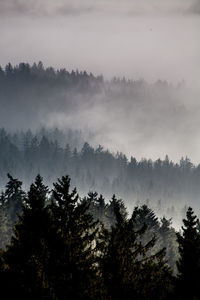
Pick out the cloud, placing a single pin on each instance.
(123, 45)
(69, 7)
(195, 7)
(42, 7)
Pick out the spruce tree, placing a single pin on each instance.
(128, 272)
(11, 202)
(146, 215)
(189, 262)
(168, 239)
(73, 261)
(27, 255)
(5, 223)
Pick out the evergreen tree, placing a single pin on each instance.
(11, 202)
(74, 269)
(14, 196)
(167, 239)
(189, 262)
(27, 255)
(146, 215)
(97, 206)
(91, 201)
(5, 223)
(128, 272)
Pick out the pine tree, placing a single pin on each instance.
(91, 200)
(189, 262)
(146, 215)
(14, 196)
(97, 206)
(128, 272)
(27, 255)
(5, 223)
(11, 202)
(167, 239)
(74, 269)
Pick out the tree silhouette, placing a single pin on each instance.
(127, 270)
(27, 255)
(11, 202)
(74, 272)
(14, 196)
(189, 262)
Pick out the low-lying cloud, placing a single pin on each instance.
(154, 39)
(51, 7)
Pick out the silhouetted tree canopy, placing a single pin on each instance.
(189, 262)
(60, 251)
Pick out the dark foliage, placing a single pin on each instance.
(59, 252)
(54, 153)
(11, 202)
(189, 262)
(27, 255)
(128, 272)
(74, 273)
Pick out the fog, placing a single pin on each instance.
(106, 92)
(137, 118)
(137, 39)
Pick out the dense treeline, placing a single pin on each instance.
(12, 200)
(26, 92)
(37, 78)
(31, 95)
(67, 247)
(163, 185)
(36, 81)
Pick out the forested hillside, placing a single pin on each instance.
(89, 111)
(99, 150)
(163, 185)
(59, 240)
(123, 115)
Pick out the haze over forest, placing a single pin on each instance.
(123, 75)
(139, 40)
(76, 108)
(100, 149)
(133, 116)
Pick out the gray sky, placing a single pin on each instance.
(147, 39)
(132, 38)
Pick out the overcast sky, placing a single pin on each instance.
(147, 39)
(134, 38)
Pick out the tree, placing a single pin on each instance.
(189, 262)
(5, 223)
(74, 271)
(11, 202)
(145, 216)
(96, 205)
(14, 196)
(167, 239)
(127, 270)
(27, 255)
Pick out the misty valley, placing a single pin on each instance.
(83, 213)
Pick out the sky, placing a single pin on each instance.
(149, 39)
(132, 38)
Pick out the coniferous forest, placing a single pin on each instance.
(167, 187)
(78, 220)
(56, 245)
(99, 150)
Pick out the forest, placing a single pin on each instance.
(167, 187)
(131, 116)
(79, 219)
(57, 245)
